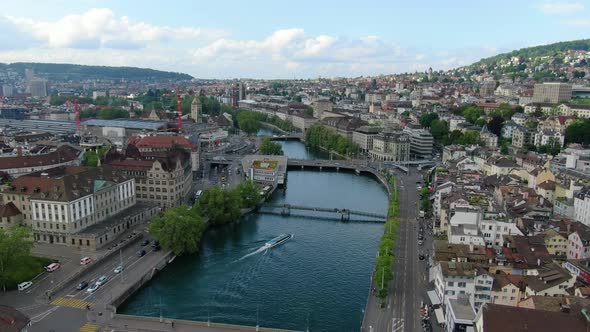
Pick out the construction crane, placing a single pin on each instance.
(77, 109)
(179, 109)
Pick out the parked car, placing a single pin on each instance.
(82, 285)
(102, 280)
(421, 257)
(93, 288)
(118, 269)
(141, 253)
(145, 243)
(420, 242)
(24, 285)
(52, 267)
(85, 260)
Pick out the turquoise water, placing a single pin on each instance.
(319, 279)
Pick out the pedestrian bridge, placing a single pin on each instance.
(330, 213)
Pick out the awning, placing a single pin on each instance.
(433, 298)
(440, 317)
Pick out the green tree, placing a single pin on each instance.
(179, 229)
(248, 122)
(426, 119)
(219, 206)
(472, 113)
(578, 132)
(249, 193)
(439, 129)
(15, 245)
(270, 148)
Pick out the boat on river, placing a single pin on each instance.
(278, 240)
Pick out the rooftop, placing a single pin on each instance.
(129, 124)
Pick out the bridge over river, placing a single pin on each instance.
(331, 213)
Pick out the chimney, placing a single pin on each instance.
(19, 151)
(470, 247)
(538, 261)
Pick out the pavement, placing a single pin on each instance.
(401, 310)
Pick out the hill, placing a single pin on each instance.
(538, 51)
(64, 72)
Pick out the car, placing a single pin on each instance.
(119, 269)
(141, 253)
(102, 280)
(85, 260)
(129, 236)
(52, 267)
(82, 285)
(145, 243)
(420, 242)
(93, 288)
(419, 187)
(24, 285)
(421, 257)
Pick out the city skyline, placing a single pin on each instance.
(267, 40)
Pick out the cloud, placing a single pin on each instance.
(577, 23)
(99, 27)
(561, 7)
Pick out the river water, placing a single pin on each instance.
(318, 280)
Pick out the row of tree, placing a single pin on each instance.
(383, 266)
(250, 122)
(318, 136)
(181, 229)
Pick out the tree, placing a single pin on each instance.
(269, 147)
(248, 122)
(15, 244)
(472, 113)
(249, 193)
(495, 125)
(427, 118)
(480, 122)
(439, 129)
(578, 132)
(220, 206)
(179, 229)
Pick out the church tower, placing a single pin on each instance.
(196, 109)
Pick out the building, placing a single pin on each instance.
(363, 137)
(552, 93)
(578, 241)
(10, 216)
(118, 132)
(549, 137)
(197, 109)
(266, 170)
(390, 147)
(488, 139)
(157, 145)
(7, 90)
(64, 155)
(320, 106)
(38, 88)
(551, 280)
(12, 112)
(487, 88)
(459, 314)
(522, 136)
(506, 289)
(85, 207)
(165, 180)
(501, 318)
(96, 94)
(421, 141)
(582, 206)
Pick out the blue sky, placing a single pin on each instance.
(278, 39)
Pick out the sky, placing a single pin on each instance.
(282, 39)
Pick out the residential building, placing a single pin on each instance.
(506, 289)
(38, 88)
(63, 155)
(522, 136)
(578, 241)
(582, 206)
(197, 109)
(10, 216)
(549, 137)
(488, 139)
(155, 146)
(555, 242)
(320, 106)
(552, 92)
(459, 314)
(390, 147)
(551, 280)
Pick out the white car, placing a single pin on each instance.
(102, 280)
(24, 285)
(93, 288)
(119, 269)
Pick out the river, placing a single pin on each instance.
(318, 280)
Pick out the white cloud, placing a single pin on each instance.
(98, 28)
(561, 7)
(577, 23)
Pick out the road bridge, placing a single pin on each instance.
(342, 214)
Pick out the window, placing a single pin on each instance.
(450, 283)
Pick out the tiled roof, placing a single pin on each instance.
(63, 154)
(500, 318)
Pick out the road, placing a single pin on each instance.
(401, 311)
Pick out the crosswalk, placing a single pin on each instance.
(89, 327)
(398, 324)
(71, 302)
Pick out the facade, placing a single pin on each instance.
(578, 244)
(320, 106)
(38, 88)
(390, 147)
(582, 206)
(197, 109)
(549, 137)
(489, 139)
(363, 137)
(163, 181)
(552, 93)
(522, 136)
(85, 207)
(158, 146)
(421, 141)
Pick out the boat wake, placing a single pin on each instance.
(257, 251)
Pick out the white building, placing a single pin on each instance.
(582, 206)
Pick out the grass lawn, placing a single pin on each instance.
(26, 269)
